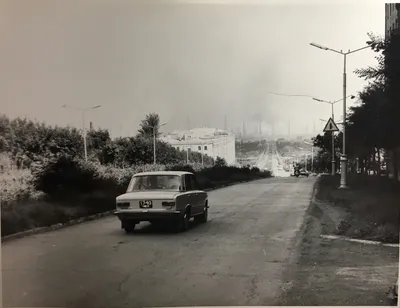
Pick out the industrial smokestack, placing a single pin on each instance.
(225, 126)
(273, 130)
(91, 126)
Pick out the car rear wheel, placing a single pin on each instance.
(184, 222)
(202, 218)
(129, 227)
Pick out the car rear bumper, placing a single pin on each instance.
(146, 215)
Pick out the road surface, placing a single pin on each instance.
(238, 258)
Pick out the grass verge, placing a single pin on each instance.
(369, 209)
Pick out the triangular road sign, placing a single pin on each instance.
(331, 126)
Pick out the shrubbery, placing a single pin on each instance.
(65, 177)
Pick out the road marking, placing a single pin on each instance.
(264, 252)
(336, 237)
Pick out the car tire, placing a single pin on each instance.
(203, 217)
(184, 222)
(129, 227)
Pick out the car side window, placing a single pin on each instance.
(188, 183)
(194, 182)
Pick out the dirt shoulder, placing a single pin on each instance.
(338, 272)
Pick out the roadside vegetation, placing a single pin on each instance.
(370, 208)
(45, 180)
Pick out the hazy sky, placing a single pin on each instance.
(181, 60)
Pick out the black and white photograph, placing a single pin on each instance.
(199, 153)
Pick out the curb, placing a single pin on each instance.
(355, 240)
(77, 221)
(55, 227)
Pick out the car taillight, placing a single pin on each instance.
(169, 204)
(123, 205)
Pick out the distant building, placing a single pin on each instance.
(392, 17)
(209, 141)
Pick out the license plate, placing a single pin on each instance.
(146, 204)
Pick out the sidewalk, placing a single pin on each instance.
(334, 273)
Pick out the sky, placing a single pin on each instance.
(192, 62)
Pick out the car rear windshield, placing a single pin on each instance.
(155, 182)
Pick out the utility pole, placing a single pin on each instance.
(333, 147)
(202, 155)
(84, 110)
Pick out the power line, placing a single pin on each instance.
(280, 94)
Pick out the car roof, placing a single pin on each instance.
(180, 173)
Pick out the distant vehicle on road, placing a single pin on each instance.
(304, 172)
(171, 196)
(301, 172)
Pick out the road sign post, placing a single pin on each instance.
(332, 127)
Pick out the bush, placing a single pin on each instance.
(63, 176)
(220, 162)
(75, 188)
(16, 183)
(186, 168)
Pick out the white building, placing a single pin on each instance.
(208, 141)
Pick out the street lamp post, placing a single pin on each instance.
(202, 154)
(154, 140)
(343, 159)
(312, 158)
(305, 164)
(84, 110)
(312, 155)
(333, 133)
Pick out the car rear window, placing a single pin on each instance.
(155, 182)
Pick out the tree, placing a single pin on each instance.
(98, 139)
(152, 121)
(380, 99)
(220, 162)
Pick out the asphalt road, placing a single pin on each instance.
(238, 258)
